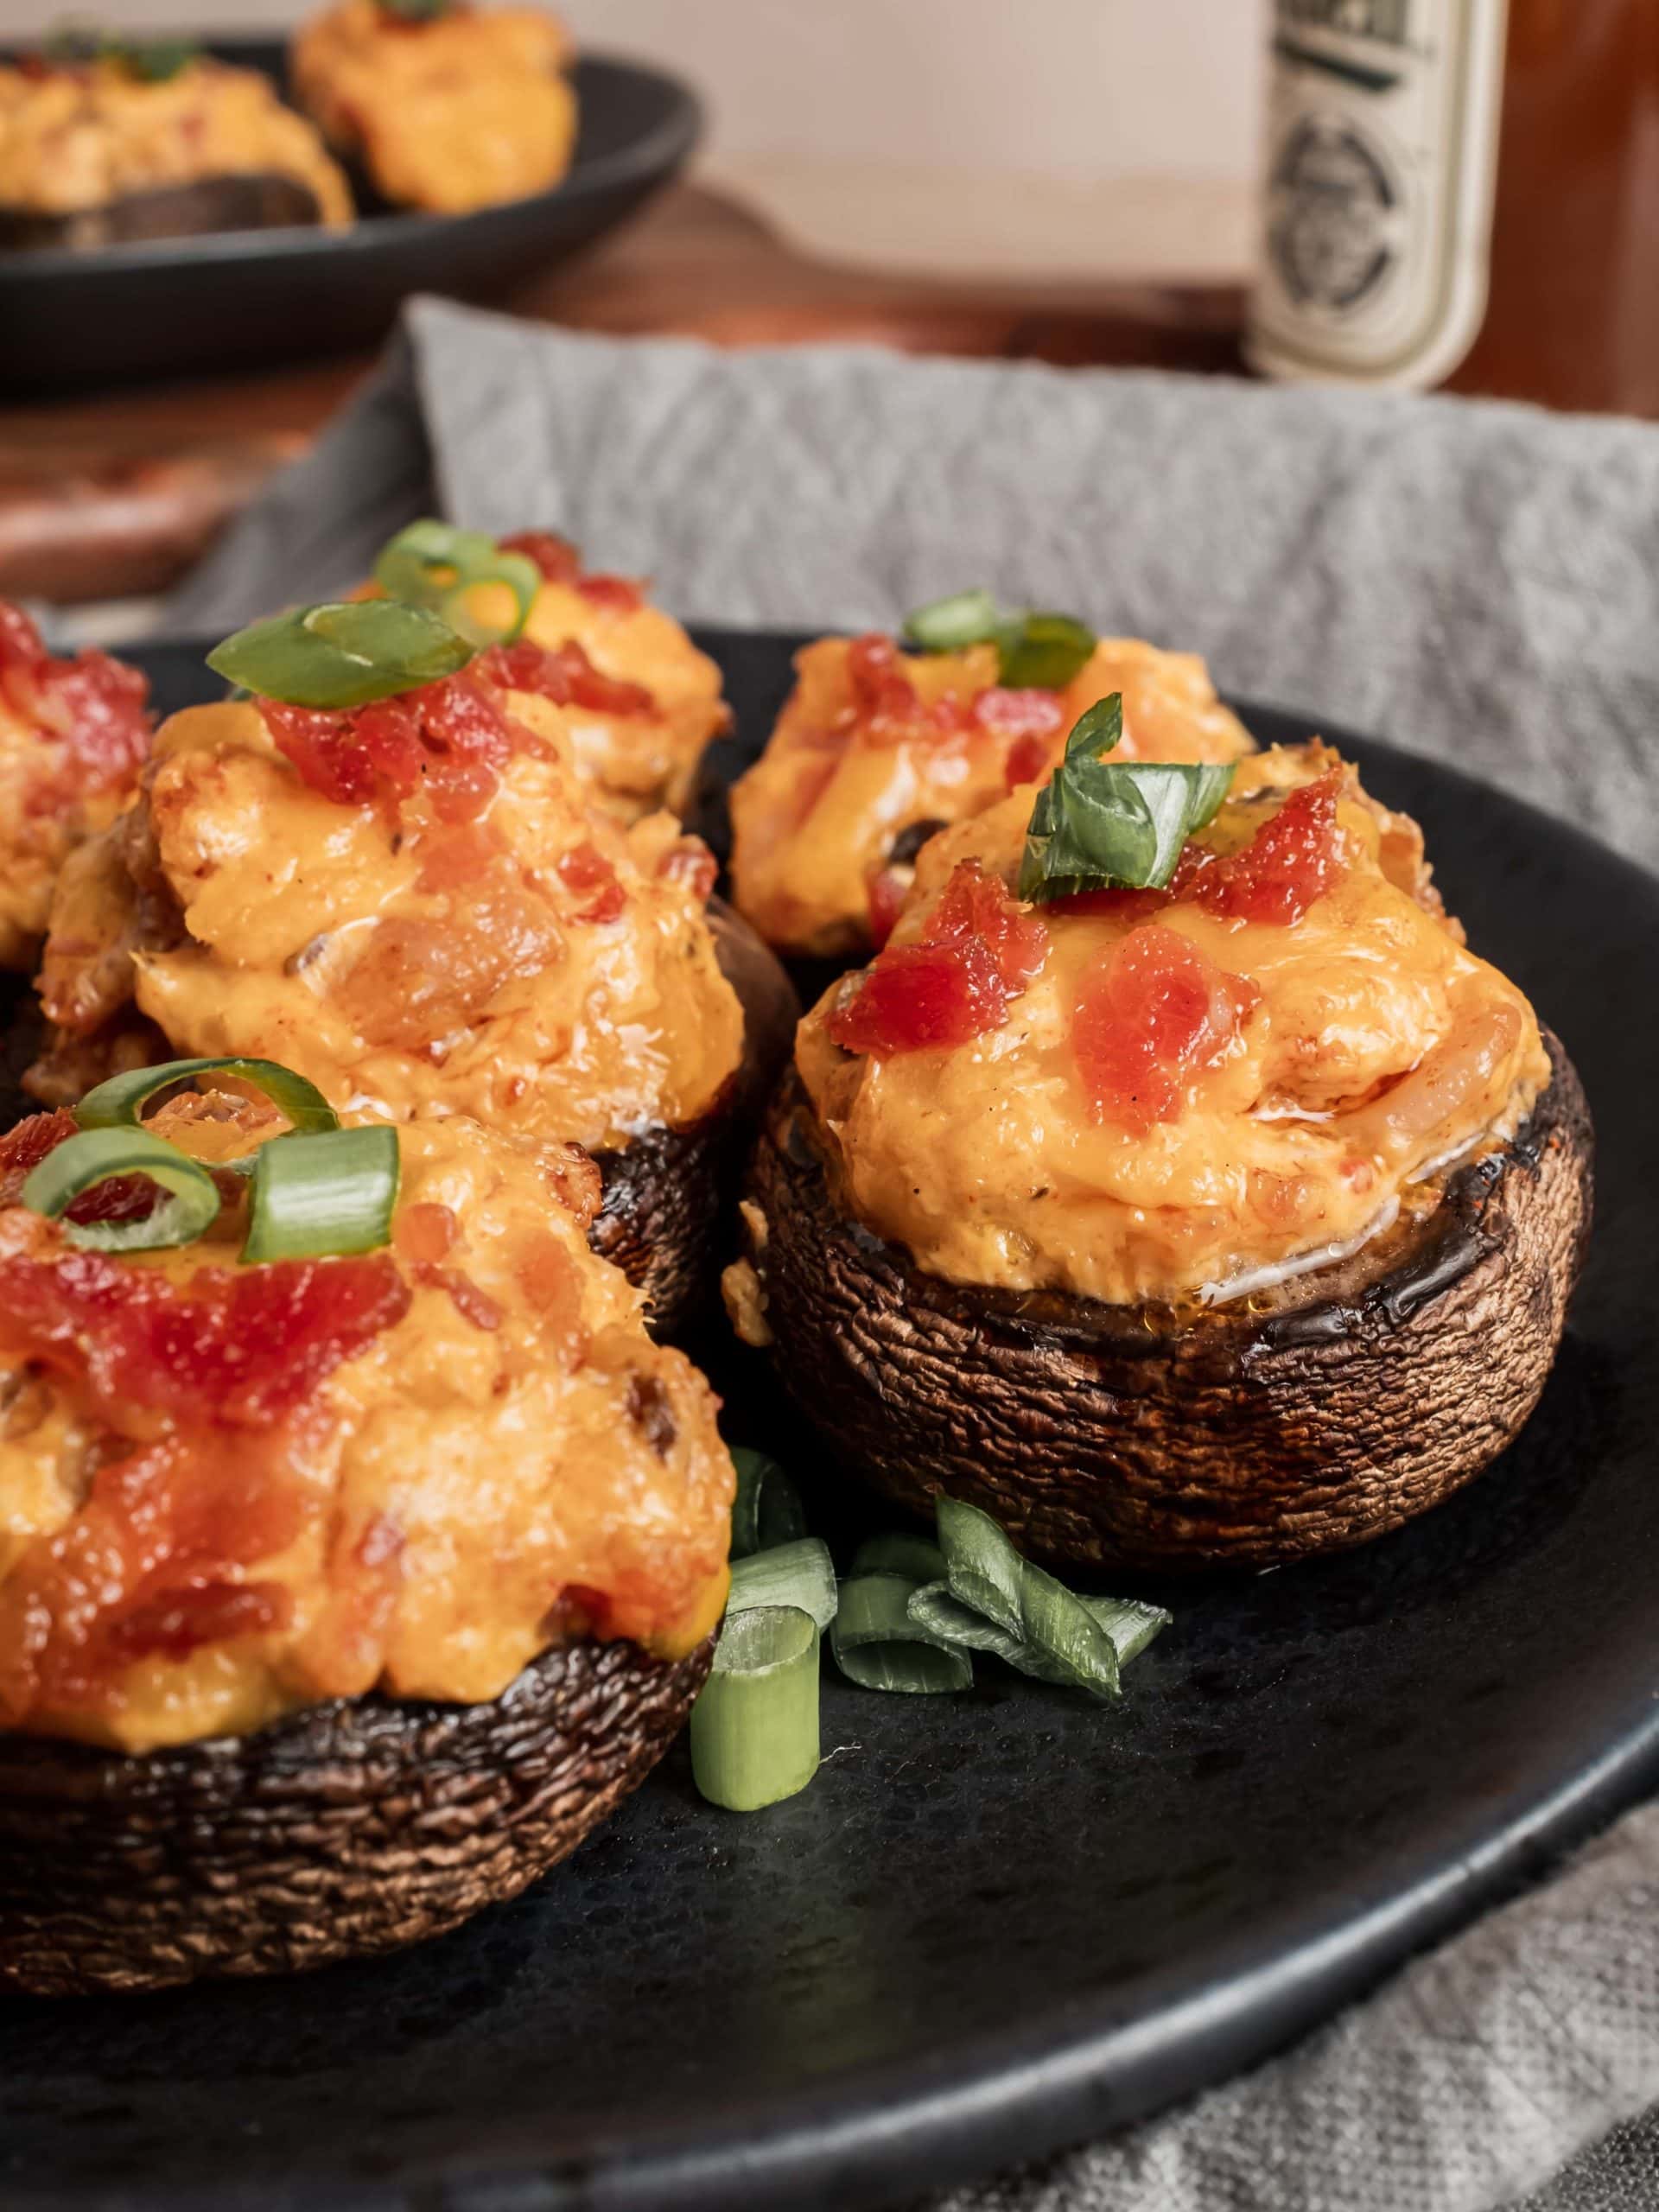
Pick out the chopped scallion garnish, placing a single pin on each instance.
(342, 655)
(1036, 652)
(800, 1573)
(120, 1103)
(919, 1559)
(323, 1196)
(878, 1645)
(1098, 825)
(188, 1199)
(766, 1509)
(755, 1727)
(433, 565)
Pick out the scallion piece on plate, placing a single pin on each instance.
(939, 1614)
(949, 625)
(919, 1559)
(319, 1196)
(878, 1645)
(801, 1574)
(755, 1727)
(981, 1565)
(766, 1509)
(1131, 1624)
(1045, 653)
(120, 1103)
(187, 1198)
(433, 565)
(342, 655)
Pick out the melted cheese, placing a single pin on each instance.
(1380, 1048)
(818, 813)
(309, 939)
(504, 1467)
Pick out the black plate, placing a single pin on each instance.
(994, 1922)
(253, 298)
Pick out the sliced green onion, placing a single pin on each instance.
(755, 1728)
(878, 1645)
(1099, 823)
(1051, 1631)
(939, 1615)
(342, 655)
(1036, 652)
(767, 1509)
(919, 1559)
(981, 1565)
(1130, 1624)
(188, 1201)
(120, 1103)
(948, 626)
(433, 565)
(801, 1574)
(1046, 652)
(318, 1197)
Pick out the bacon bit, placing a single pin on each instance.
(548, 1278)
(240, 1350)
(24, 1146)
(449, 738)
(574, 1178)
(1294, 859)
(978, 950)
(95, 707)
(425, 1233)
(688, 861)
(184, 1619)
(564, 676)
(886, 705)
(651, 1414)
(1149, 1013)
(585, 869)
(886, 889)
(560, 564)
(457, 855)
(1029, 759)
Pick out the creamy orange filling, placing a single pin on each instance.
(506, 1462)
(853, 766)
(1342, 1059)
(538, 967)
(462, 112)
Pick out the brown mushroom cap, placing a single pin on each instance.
(248, 200)
(345, 1829)
(666, 1190)
(1308, 1419)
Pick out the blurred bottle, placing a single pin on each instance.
(1465, 192)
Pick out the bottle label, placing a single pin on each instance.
(1381, 157)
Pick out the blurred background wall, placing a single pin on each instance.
(1043, 137)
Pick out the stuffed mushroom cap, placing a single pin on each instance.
(413, 903)
(1173, 1096)
(447, 108)
(877, 749)
(77, 139)
(228, 1492)
(73, 734)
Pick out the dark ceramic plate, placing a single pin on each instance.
(1003, 1921)
(253, 298)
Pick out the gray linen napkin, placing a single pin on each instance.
(1473, 581)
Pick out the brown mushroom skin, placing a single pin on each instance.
(1307, 1419)
(252, 200)
(346, 1829)
(668, 1192)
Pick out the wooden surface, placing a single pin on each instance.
(112, 497)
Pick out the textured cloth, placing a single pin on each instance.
(1477, 582)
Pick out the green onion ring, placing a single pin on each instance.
(342, 655)
(800, 1574)
(1045, 653)
(766, 1508)
(319, 1197)
(948, 626)
(981, 1565)
(433, 565)
(189, 1198)
(878, 1645)
(1054, 1634)
(120, 1103)
(919, 1559)
(755, 1728)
